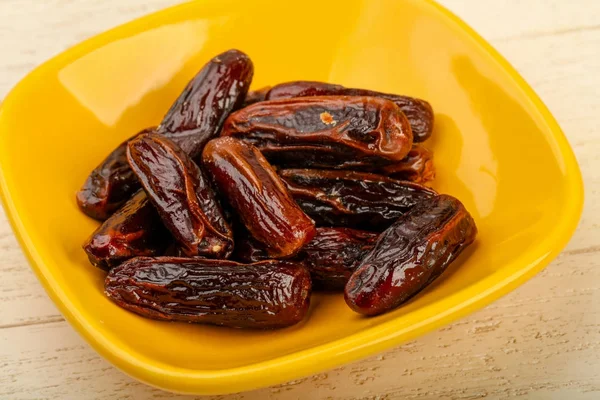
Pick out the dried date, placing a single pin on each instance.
(109, 185)
(265, 295)
(182, 195)
(410, 254)
(329, 132)
(331, 257)
(255, 96)
(253, 189)
(352, 199)
(418, 112)
(133, 230)
(417, 166)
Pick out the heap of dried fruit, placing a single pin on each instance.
(240, 203)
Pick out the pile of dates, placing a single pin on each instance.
(240, 203)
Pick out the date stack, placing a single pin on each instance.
(239, 203)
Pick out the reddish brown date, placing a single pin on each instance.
(329, 132)
(255, 96)
(109, 185)
(410, 254)
(352, 199)
(198, 114)
(265, 295)
(133, 230)
(182, 195)
(417, 166)
(331, 257)
(418, 112)
(253, 189)
(195, 117)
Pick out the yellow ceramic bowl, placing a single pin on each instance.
(497, 149)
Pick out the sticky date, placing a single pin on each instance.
(253, 189)
(133, 230)
(410, 254)
(329, 132)
(418, 112)
(255, 96)
(417, 166)
(109, 185)
(331, 257)
(352, 199)
(182, 195)
(265, 295)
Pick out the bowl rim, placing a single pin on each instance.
(349, 348)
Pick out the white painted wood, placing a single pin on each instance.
(540, 342)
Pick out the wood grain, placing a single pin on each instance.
(540, 342)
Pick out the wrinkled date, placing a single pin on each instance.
(109, 185)
(336, 131)
(183, 197)
(331, 257)
(352, 199)
(133, 230)
(253, 189)
(417, 166)
(410, 254)
(418, 112)
(265, 295)
(255, 96)
(198, 114)
(195, 117)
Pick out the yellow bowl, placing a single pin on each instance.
(497, 149)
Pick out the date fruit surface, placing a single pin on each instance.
(182, 195)
(133, 230)
(410, 254)
(331, 257)
(109, 185)
(352, 199)
(199, 112)
(254, 96)
(418, 112)
(251, 186)
(417, 166)
(334, 131)
(265, 295)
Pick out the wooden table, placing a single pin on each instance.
(542, 341)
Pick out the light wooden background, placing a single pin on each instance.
(540, 342)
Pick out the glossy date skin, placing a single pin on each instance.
(352, 199)
(410, 254)
(182, 195)
(133, 230)
(252, 187)
(330, 132)
(199, 112)
(196, 117)
(331, 257)
(109, 185)
(265, 295)
(416, 167)
(418, 112)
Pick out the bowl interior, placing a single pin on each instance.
(494, 150)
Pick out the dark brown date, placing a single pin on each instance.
(331, 257)
(328, 132)
(253, 189)
(418, 112)
(109, 185)
(255, 96)
(195, 117)
(199, 112)
(265, 295)
(133, 230)
(410, 254)
(182, 195)
(352, 199)
(417, 166)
